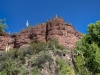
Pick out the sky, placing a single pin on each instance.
(79, 13)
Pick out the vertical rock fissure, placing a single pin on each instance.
(14, 36)
(46, 37)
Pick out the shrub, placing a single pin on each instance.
(41, 59)
(15, 53)
(36, 72)
(80, 67)
(53, 43)
(9, 68)
(38, 47)
(23, 70)
(27, 51)
(65, 69)
(3, 56)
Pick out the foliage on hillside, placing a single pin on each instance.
(31, 60)
(65, 69)
(43, 58)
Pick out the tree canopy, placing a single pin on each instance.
(3, 25)
(89, 47)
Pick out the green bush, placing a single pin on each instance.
(15, 53)
(80, 66)
(27, 51)
(53, 43)
(41, 59)
(9, 68)
(35, 48)
(65, 69)
(36, 72)
(38, 47)
(23, 70)
(3, 56)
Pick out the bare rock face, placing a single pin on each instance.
(6, 39)
(65, 33)
(29, 35)
(55, 28)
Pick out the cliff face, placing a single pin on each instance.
(55, 28)
(65, 33)
(6, 39)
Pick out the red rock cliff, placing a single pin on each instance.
(55, 28)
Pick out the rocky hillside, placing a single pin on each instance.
(55, 28)
(45, 58)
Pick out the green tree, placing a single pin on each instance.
(89, 47)
(80, 66)
(3, 25)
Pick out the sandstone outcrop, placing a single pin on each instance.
(6, 39)
(65, 33)
(55, 28)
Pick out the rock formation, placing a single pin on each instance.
(55, 28)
